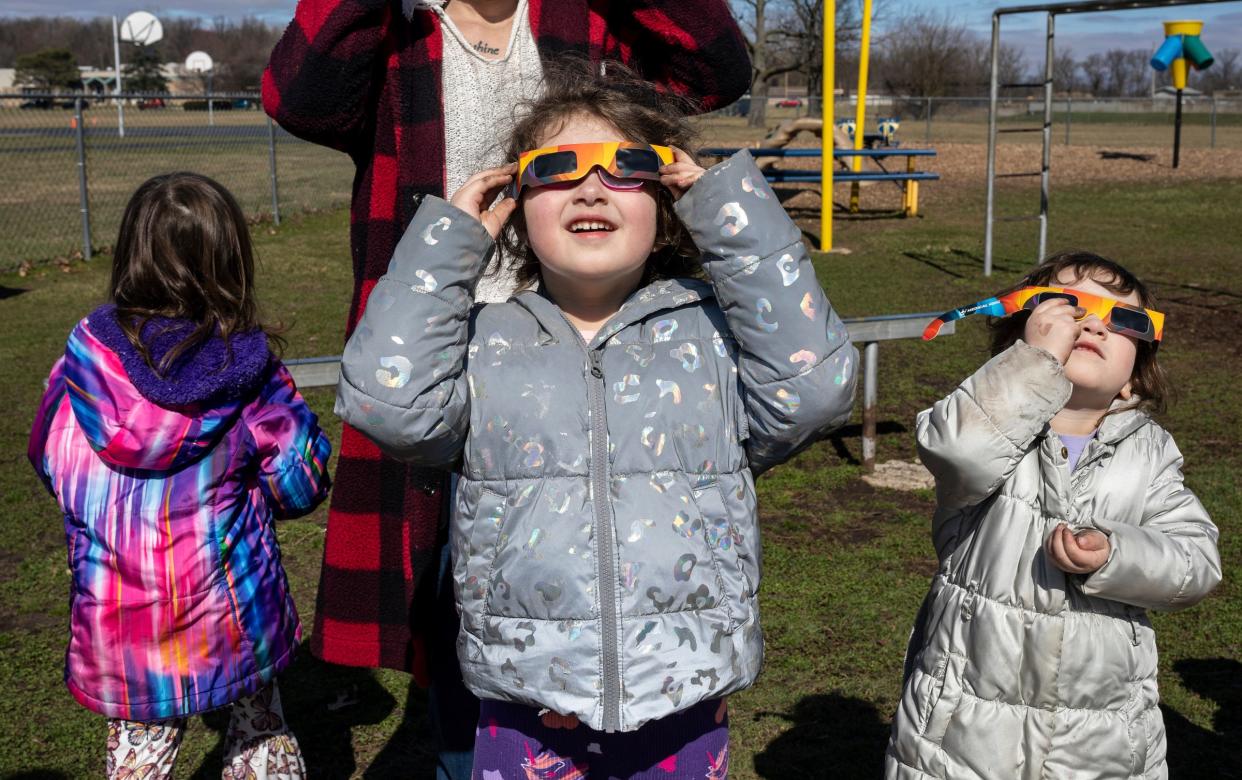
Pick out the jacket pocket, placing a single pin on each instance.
(487, 533)
(944, 693)
(719, 536)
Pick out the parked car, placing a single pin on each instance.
(154, 102)
(789, 103)
(37, 103)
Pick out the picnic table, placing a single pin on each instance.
(908, 179)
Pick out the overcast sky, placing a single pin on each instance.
(1083, 34)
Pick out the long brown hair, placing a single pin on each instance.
(184, 252)
(1149, 381)
(616, 94)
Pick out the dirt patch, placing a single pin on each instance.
(900, 475)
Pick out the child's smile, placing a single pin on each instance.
(585, 231)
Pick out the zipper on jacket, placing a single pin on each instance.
(604, 546)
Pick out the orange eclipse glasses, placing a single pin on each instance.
(623, 165)
(1117, 316)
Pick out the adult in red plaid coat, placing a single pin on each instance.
(366, 77)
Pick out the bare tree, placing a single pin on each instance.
(783, 36)
(1065, 71)
(1127, 71)
(1225, 73)
(931, 54)
(1095, 72)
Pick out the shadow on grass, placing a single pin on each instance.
(853, 434)
(38, 774)
(1196, 752)
(962, 264)
(322, 703)
(831, 736)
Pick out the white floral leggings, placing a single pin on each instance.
(258, 746)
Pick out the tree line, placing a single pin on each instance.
(58, 45)
(917, 53)
(930, 54)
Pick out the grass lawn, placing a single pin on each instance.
(846, 565)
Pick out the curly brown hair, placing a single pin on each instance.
(612, 92)
(1149, 381)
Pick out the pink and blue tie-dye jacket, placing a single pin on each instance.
(179, 601)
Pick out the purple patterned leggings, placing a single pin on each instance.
(515, 742)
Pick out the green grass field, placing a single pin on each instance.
(846, 565)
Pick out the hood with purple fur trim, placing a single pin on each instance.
(211, 372)
(136, 418)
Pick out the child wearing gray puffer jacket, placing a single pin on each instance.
(1062, 518)
(607, 427)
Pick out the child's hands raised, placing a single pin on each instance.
(1052, 328)
(480, 190)
(1077, 553)
(680, 174)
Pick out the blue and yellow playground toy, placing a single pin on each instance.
(1181, 43)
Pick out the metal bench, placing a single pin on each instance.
(865, 332)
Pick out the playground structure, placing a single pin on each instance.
(1052, 10)
(832, 143)
(1181, 43)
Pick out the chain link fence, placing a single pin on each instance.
(68, 164)
(1207, 122)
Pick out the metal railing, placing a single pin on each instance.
(865, 332)
(67, 169)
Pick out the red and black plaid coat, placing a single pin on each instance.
(358, 76)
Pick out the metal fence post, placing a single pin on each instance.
(271, 165)
(871, 365)
(927, 132)
(1213, 121)
(84, 201)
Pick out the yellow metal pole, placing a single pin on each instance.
(860, 112)
(826, 106)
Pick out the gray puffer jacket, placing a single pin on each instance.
(1016, 669)
(606, 552)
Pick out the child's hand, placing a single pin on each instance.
(1077, 553)
(480, 190)
(1052, 328)
(682, 172)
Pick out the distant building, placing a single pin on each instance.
(102, 81)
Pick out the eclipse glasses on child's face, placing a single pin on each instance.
(623, 165)
(1118, 317)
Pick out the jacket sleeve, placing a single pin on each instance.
(1169, 560)
(972, 440)
(403, 380)
(796, 365)
(694, 48)
(293, 452)
(324, 72)
(36, 448)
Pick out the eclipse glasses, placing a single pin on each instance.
(1117, 316)
(623, 165)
